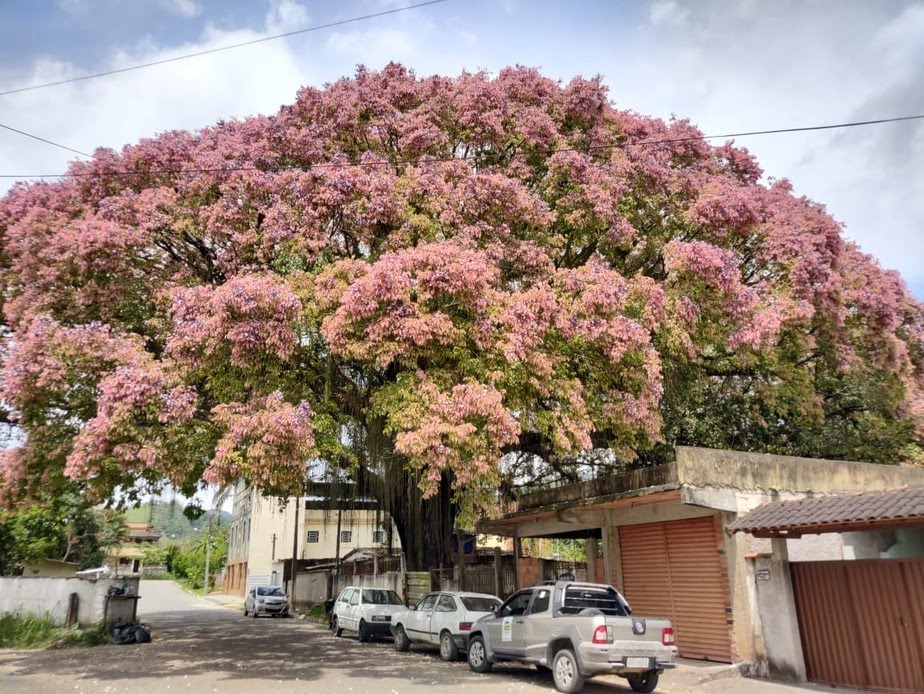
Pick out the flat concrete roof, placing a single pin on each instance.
(696, 468)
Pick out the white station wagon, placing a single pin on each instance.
(443, 618)
(367, 611)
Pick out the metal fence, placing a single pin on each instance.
(553, 570)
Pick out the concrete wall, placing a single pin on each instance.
(705, 467)
(529, 571)
(311, 586)
(778, 651)
(51, 596)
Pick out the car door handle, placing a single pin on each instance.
(520, 621)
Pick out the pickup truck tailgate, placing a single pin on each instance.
(638, 640)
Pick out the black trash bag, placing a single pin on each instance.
(126, 631)
(142, 634)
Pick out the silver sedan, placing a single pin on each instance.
(270, 600)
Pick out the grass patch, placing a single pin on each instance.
(29, 631)
(25, 631)
(158, 577)
(80, 638)
(318, 612)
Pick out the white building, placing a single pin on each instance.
(261, 535)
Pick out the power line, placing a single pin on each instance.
(386, 162)
(48, 142)
(229, 47)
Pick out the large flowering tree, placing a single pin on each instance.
(412, 278)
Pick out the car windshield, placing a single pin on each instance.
(480, 604)
(271, 590)
(381, 597)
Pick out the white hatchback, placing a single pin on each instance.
(367, 611)
(443, 618)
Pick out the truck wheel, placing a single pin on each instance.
(335, 628)
(644, 682)
(363, 632)
(402, 642)
(565, 672)
(478, 655)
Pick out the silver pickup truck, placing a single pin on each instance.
(578, 630)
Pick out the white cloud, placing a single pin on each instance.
(375, 46)
(72, 6)
(785, 64)
(286, 15)
(667, 12)
(119, 109)
(183, 8)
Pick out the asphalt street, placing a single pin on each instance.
(199, 646)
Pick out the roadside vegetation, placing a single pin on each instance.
(187, 565)
(65, 527)
(29, 631)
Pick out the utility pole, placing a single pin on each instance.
(294, 554)
(273, 558)
(208, 550)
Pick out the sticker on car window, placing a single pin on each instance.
(507, 629)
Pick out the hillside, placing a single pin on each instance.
(168, 519)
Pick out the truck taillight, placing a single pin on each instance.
(465, 626)
(603, 634)
(667, 637)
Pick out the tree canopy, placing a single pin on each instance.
(408, 278)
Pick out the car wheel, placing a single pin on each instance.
(565, 672)
(478, 655)
(363, 632)
(448, 649)
(644, 682)
(335, 628)
(245, 611)
(402, 642)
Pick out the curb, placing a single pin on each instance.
(735, 670)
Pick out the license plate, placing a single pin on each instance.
(638, 662)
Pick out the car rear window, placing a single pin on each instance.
(480, 604)
(381, 597)
(579, 598)
(271, 590)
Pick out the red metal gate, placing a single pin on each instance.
(862, 622)
(674, 569)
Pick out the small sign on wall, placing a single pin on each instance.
(762, 574)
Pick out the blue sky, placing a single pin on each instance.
(728, 66)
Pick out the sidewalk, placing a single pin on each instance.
(233, 602)
(700, 676)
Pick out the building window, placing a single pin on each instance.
(378, 537)
(346, 536)
(313, 536)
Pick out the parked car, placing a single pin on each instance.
(443, 618)
(578, 630)
(367, 611)
(269, 600)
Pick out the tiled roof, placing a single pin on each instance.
(814, 514)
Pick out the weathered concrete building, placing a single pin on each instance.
(668, 543)
(261, 535)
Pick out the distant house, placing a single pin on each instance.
(261, 535)
(49, 568)
(128, 558)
